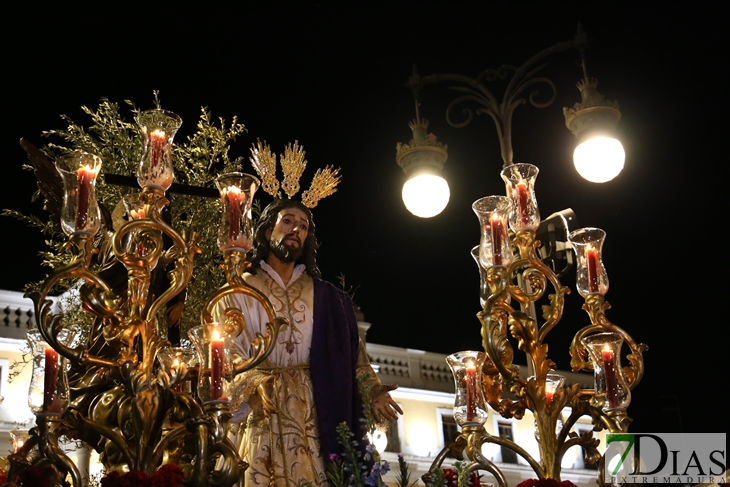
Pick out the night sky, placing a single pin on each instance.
(332, 77)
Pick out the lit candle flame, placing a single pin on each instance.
(88, 169)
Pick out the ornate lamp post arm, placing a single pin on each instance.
(474, 90)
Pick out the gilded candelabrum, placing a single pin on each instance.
(135, 399)
(514, 279)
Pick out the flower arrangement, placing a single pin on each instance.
(166, 476)
(545, 483)
(458, 476)
(404, 474)
(351, 468)
(33, 476)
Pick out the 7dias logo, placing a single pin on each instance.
(665, 458)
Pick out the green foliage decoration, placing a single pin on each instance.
(198, 160)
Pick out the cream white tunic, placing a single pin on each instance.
(286, 445)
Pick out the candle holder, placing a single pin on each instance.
(516, 325)
(495, 249)
(175, 362)
(142, 242)
(519, 181)
(483, 284)
(236, 229)
(611, 388)
(132, 410)
(213, 344)
(48, 392)
(158, 129)
(553, 382)
(470, 408)
(591, 276)
(18, 437)
(80, 213)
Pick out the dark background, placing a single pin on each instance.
(331, 76)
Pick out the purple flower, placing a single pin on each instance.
(400, 457)
(386, 467)
(334, 457)
(369, 448)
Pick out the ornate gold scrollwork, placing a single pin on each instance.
(596, 307)
(122, 403)
(497, 317)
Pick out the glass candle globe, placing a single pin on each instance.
(80, 213)
(470, 407)
(519, 180)
(236, 229)
(495, 249)
(158, 129)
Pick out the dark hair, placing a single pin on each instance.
(267, 220)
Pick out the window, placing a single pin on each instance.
(393, 437)
(505, 431)
(450, 430)
(581, 460)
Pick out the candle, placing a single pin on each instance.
(592, 267)
(216, 366)
(497, 231)
(85, 178)
(549, 398)
(470, 378)
(51, 403)
(175, 370)
(140, 249)
(609, 367)
(521, 188)
(157, 147)
(236, 198)
(158, 172)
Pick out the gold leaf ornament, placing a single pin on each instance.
(264, 162)
(324, 183)
(292, 165)
(292, 162)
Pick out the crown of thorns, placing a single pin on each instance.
(292, 161)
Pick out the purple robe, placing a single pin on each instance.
(333, 363)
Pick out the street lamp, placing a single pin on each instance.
(598, 158)
(425, 192)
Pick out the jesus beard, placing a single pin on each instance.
(285, 253)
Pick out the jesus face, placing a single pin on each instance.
(288, 235)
